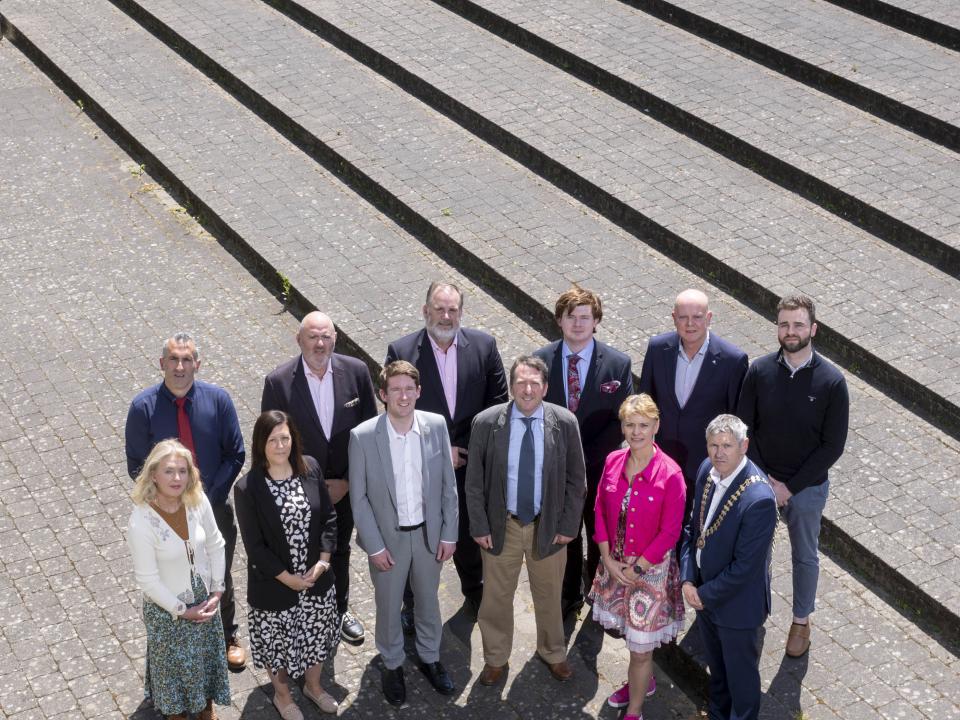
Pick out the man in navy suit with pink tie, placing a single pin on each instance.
(693, 375)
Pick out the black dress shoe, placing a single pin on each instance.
(407, 621)
(350, 629)
(393, 688)
(438, 678)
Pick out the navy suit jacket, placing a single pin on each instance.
(682, 430)
(286, 389)
(481, 382)
(733, 580)
(608, 383)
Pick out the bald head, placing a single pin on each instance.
(691, 316)
(317, 337)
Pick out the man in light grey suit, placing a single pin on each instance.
(525, 489)
(403, 493)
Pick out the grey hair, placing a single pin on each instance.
(181, 338)
(440, 285)
(727, 424)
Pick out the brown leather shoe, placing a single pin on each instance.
(561, 670)
(798, 640)
(208, 713)
(236, 656)
(492, 674)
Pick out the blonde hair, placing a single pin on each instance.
(641, 404)
(145, 489)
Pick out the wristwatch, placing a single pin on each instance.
(638, 569)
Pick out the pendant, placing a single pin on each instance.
(701, 542)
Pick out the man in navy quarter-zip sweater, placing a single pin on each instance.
(796, 408)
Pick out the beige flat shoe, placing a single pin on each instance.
(290, 712)
(323, 701)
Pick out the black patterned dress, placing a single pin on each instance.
(306, 634)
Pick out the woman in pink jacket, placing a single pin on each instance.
(639, 513)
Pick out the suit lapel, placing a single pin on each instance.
(464, 362)
(266, 501)
(670, 358)
(557, 384)
(708, 368)
(301, 391)
(386, 460)
(425, 442)
(551, 441)
(342, 391)
(501, 447)
(589, 389)
(430, 381)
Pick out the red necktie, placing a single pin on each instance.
(184, 433)
(573, 383)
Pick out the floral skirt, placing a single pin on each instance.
(186, 661)
(646, 614)
(297, 638)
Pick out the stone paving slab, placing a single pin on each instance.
(638, 307)
(98, 266)
(742, 221)
(919, 74)
(911, 179)
(945, 12)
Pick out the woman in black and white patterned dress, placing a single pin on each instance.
(289, 529)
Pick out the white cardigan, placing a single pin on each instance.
(160, 562)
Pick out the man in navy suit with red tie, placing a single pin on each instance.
(461, 374)
(693, 375)
(725, 567)
(327, 395)
(592, 380)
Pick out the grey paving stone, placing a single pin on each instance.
(888, 168)
(914, 72)
(942, 11)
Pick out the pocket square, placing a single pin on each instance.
(610, 387)
(352, 403)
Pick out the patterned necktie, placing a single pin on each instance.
(184, 433)
(525, 474)
(573, 383)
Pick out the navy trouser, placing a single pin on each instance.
(734, 660)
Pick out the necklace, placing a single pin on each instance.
(715, 525)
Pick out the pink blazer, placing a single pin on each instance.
(655, 512)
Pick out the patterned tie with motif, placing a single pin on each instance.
(573, 383)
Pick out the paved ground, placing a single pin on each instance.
(97, 267)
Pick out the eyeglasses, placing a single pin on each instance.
(280, 440)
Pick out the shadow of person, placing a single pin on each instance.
(145, 711)
(782, 698)
(533, 691)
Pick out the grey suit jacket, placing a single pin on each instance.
(373, 488)
(564, 477)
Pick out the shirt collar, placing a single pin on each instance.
(725, 483)
(394, 435)
(437, 348)
(310, 373)
(701, 352)
(793, 370)
(584, 354)
(515, 413)
(165, 391)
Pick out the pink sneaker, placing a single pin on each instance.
(621, 698)
(633, 717)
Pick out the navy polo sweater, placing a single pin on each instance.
(797, 423)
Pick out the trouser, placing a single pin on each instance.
(466, 558)
(578, 577)
(227, 524)
(802, 515)
(501, 573)
(340, 560)
(734, 660)
(415, 564)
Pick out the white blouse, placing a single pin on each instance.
(160, 561)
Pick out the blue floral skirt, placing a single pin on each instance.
(186, 661)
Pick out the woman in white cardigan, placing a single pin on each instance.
(178, 561)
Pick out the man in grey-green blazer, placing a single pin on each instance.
(525, 490)
(403, 493)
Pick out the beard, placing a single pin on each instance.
(444, 334)
(795, 345)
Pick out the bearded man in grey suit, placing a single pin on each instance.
(403, 493)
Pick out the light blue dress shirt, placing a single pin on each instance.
(688, 371)
(517, 428)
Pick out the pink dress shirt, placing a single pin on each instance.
(447, 366)
(655, 511)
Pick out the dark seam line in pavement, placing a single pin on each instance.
(923, 27)
(894, 383)
(898, 233)
(228, 238)
(423, 230)
(870, 101)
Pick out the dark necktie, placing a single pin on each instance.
(184, 433)
(573, 383)
(525, 472)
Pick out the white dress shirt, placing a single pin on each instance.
(407, 458)
(321, 391)
(722, 485)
